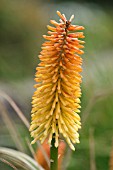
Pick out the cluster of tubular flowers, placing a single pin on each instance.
(56, 103)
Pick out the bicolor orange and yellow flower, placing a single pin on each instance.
(56, 103)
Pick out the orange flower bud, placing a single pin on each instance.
(40, 157)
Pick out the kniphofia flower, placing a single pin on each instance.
(56, 103)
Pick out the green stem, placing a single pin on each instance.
(53, 155)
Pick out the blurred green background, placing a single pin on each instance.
(22, 24)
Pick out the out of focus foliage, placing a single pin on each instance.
(99, 2)
(22, 24)
(20, 34)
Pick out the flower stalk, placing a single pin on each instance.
(56, 103)
(53, 156)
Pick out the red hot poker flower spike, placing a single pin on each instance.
(56, 103)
